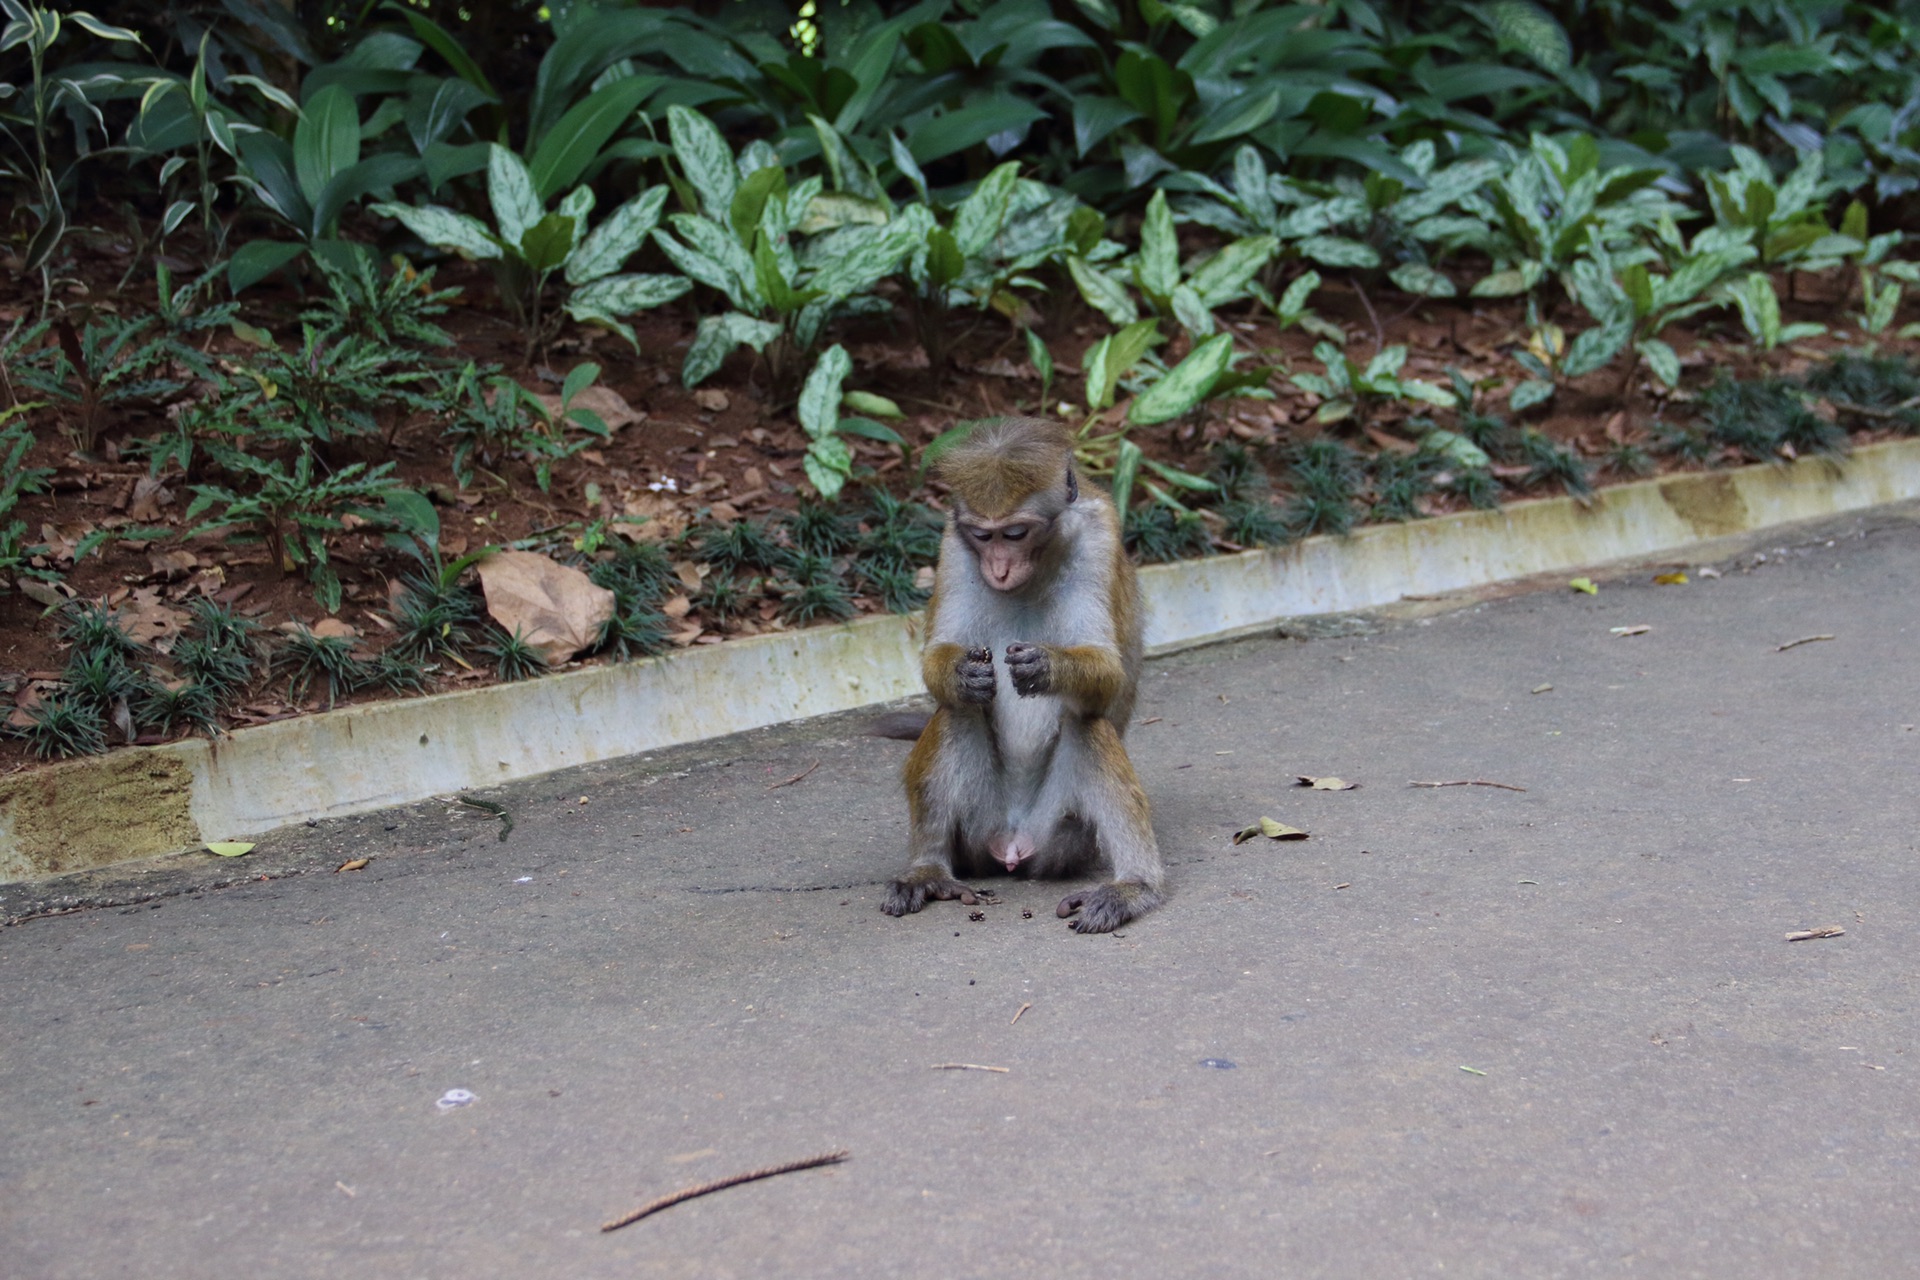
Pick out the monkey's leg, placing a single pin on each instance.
(1110, 798)
(950, 776)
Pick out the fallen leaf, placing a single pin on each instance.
(712, 399)
(1543, 688)
(605, 401)
(230, 848)
(676, 606)
(169, 565)
(1269, 828)
(1586, 585)
(356, 864)
(149, 495)
(1325, 784)
(64, 539)
(335, 628)
(1639, 629)
(1824, 931)
(45, 594)
(1675, 579)
(689, 574)
(150, 622)
(662, 517)
(555, 609)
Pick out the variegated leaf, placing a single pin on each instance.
(444, 228)
(618, 237)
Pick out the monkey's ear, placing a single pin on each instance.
(1073, 485)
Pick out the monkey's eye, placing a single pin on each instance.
(981, 535)
(1015, 533)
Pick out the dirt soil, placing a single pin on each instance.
(724, 451)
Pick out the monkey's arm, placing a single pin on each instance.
(1091, 677)
(957, 676)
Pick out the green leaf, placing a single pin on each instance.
(1456, 448)
(1338, 251)
(828, 464)
(444, 229)
(750, 199)
(326, 140)
(714, 258)
(1294, 301)
(1528, 394)
(622, 234)
(952, 131)
(516, 205)
(945, 262)
(1418, 278)
(869, 403)
(1185, 385)
(716, 338)
(608, 298)
(1158, 267)
(1126, 466)
(1042, 361)
(848, 171)
(868, 429)
(1237, 116)
(903, 161)
(862, 257)
(1103, 292)
(1193, 314)
(1595, 347)
(380, 172)
(1500, 284)
(563, 154)
(1180, 479)
(1224, 277)
(819, 405)
(1661, 359)
(255, 260)
(977, 219)
(230, 848)
(1118, 353)
(705, 159)
(547, 242)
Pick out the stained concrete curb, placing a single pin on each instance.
(143, 802)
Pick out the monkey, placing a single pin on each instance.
(1033, 650)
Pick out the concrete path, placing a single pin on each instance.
(1460, 1031)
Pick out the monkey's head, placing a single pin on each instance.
(1011, 480)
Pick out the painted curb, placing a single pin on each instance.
(143, 802)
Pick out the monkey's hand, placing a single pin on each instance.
(1106, 908)
(921, 885)
(1031, 668)
(975, 670)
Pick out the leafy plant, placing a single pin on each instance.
(1759, 308)
(307, 657)
(171, 707)
(813, 591)
(1157, 532)
(1551, 463)
(1870, 388)
(1634, 305)
(738, 546)
(829, 459)
(383, 313)
(108, 363)
(1188, 296)
(432, 613)
(60, 725)
(325, 391)
(16, 478)
(1349, 390)
(528, 244)
(500, 418)
(1324, 478)
(513, 658)
(1400, 482)
(1766, 419)
(296, 512)
(743, 242)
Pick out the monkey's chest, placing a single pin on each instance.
(1026, 729)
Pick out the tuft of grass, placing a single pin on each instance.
(1491, 432)
(1681, 442)
(742, 545)
(1237, 472)
(898, 533)
(724, 596)
(814, 591)
(1870, 388)
(1325, 478)
(307, 657)
(395, 672)
(1477, 486)
(431, 617)
(1758, 416)
(1254, 522)
(172, 707)
(513, 658)
(894, 584)
(219, 625)
(1550, 463)
(816, 528)
(1627, 460)
(635, 631)
(637, 573)
(62, 726)
(100, 678)
(1399, 482)
(89, 626)
(1157, 533)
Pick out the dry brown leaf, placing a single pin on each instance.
(335, 628)
(172, 564)
(149, 495)
(1269, 828)
(1326, 784)
(676, 606)
(712, 399)
(688, 573)
(353, 864)
(605, 401)
(64, 539)
(150, 622)
(663, 516)
(555, 609)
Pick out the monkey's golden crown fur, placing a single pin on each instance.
(1004, 462)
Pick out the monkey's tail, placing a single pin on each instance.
(907, 726)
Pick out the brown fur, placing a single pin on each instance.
(1003, 464)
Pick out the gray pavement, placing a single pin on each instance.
(1471, 1031)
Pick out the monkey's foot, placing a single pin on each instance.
(915, 889)
(1106, 908)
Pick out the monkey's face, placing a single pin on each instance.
(1007, 549)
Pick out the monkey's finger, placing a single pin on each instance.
(1070, 904)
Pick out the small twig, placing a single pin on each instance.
(721, 1184)
(1017, 1012)
(497, 810)
(1824, 931)
(1469, 782)
(796, 777)
(1379, 331)
(970, 1066)
(1795, 644)
(1898, 411)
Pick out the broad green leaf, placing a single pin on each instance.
(750, 199)
(1418, 278)
(945, 262)
(1126, 466)
(1528, 394)
(1099, 381)
(771, 280)
(705, 159)
(1456, 448)
(829, 210)
(1103, 292)
(1157, 269)
(1387, 363)
(230, 848)
(1237, 116)
(1595, 347)
(1661, 359)
(977, 219)
(1338, 251)
(711, 257)
(1224, 277)
(942, 135)
(381, 172)
(444, 229)
(1042, 361)
(516, 205)
(868, 429)
(622, 234)
(716, 338)
(326, 140)
(1500, 284)
(868, 403)
(563, 154)
(862, 257)
(625, 295)
(903, 161)
(1193, 314)
(255, 260)
(1185, 385)
(828, 463)
(1294, 300)
(1127, 347)
(1430, 392)
(849, 172)
(819, 407)
(1180, 479)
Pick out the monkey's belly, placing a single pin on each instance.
(1031, 800)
